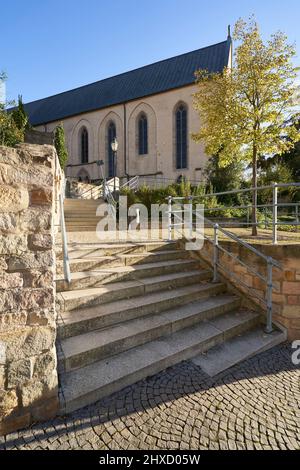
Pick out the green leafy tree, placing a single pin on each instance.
(20, 117)
(226, 178)
(10, 135)
(60, 145)
(244, 110)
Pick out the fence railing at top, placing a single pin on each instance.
(176, 222)
(269, 210)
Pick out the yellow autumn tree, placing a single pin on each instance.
(246, 111)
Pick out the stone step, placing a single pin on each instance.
(82, 221)
(86, 279)
(237, 349)
(82, 298)
(121, 260)
(75, 322)
(91, 250)
(79, 351)
(110, 236)
(77, 203)
(84, 386)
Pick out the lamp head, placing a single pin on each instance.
(114, 145)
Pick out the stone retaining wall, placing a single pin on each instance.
(28, 372)
(286, 282)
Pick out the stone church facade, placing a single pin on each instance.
(148, 110)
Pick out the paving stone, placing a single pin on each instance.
(182, 408)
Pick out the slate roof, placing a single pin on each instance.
(151, 79)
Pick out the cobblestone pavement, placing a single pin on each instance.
(255, 405)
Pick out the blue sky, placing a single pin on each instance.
(51, 46)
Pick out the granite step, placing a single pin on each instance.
(122, 259)
(237, 349)
(79, 321)
(82, 298)
(91, 250)
(88, 384)
(96, 278)
(79, 351)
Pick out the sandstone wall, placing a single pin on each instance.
(286, 281)
(28, 207)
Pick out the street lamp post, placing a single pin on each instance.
(114, 147)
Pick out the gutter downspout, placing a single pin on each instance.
(125, 143)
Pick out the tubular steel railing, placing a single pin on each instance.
(66, 261)
(273, 207)
(175, 221)
(132, 184)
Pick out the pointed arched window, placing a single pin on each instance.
(111, 135)
(143, 134)
(84, 143)
(181, 136)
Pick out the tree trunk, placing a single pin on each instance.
(254, 194)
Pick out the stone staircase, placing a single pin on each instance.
(80, 214)
(134, 309)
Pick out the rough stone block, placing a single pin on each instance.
(41, 318)
(291, 311)
(36, 219)
(40, 241)
(32, 299)
(40, 260)
(13, 199)
(8, 222)
(278, 298)
(3, 264)
(290, 275)
(19, 372)
(27, 342)
(45, 365)
(291, 288)
(294, 300)
(2, 377)
(12, 320)
(10, 280)
(25, 175)
(41, 197)
(13, 244)
(36, 392)
(8, 402)
(36, 279)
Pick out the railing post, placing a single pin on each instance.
(190, 217)
(67, 272)
(170, 218)
(275, 214)
(297, 216)
(216, 253)
(269, 327)
(266, 219)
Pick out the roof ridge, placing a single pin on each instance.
(124, 73)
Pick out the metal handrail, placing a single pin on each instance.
(59, 196)
(133, 183)
(217, 266)
(66, 261)
(243, 190)
(274, 206)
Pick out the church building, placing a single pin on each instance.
(148, 110)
